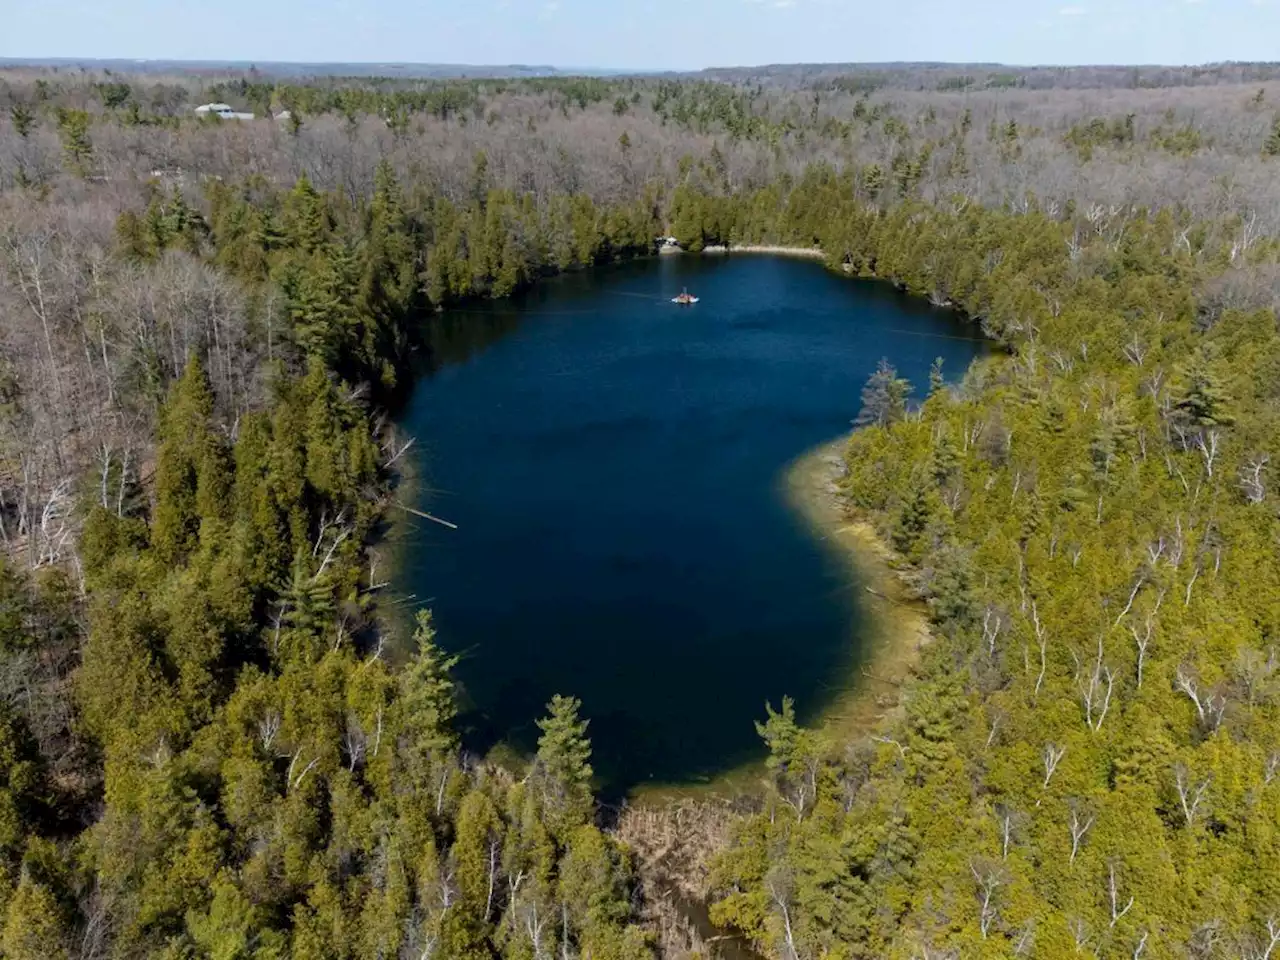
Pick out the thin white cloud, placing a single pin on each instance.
(1072, 11)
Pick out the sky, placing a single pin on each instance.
(646, 34)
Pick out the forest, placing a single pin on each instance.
(210, 745)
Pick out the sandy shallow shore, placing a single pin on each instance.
(812, 253)
(894, 625)
(885, 637)
(676, 832)
(809, 253)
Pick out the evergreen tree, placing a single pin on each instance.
(192, 475)
(233, 928)
(33, 928)
(477, 854)
(782, 736)
(918, 511)
(23, 119)
(1271, 147)
(946, 460)
(884, 398)
(563, 767)
(307, 223)
(308, 606)
(77, 148)
(1204, 401)
(427, 697)
(936, 382)
(23, 785)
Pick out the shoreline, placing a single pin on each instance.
(674, 831)
(893, 626)
(806, 253)
(886, 634)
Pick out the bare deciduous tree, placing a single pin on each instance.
(1190, 795)
(1117, 912)
(1210, 707)
(1252, 481)
(989, 878)
(1263, 946)
(1042, 643)
(1079, 933)
(1053, 755)
(1096, 687)
(1079, 824)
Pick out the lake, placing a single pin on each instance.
(612, 462)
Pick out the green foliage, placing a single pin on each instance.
(1271, 147)
(1072, 514)
(1086, 518)
(1204, 401)
(32, 926)
(884, 398)
(563, 766)
(77, 148)
(23, 119)
(192, 477)
(24, 791)
(114, 93)
(427, 698)
(272, 786)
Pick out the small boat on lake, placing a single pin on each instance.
(686, 299)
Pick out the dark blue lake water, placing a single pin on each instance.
(613, 463)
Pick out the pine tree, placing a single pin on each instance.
(192, 472)
(308, 604)
(23, 119)
(33, 928)
(946, 459)
(389, 279)
(77, 148)
(307, 223)
(917, 513)
(564, 766)
(427, 702)
(781, 735)
(936, 382)
(1271, 147)
(476, 854)
(884, 398)
(1204, 401)
(321, 295)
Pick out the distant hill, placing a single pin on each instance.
(857, 78)
(440, 71)
(959, 77)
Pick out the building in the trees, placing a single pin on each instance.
(223, 110)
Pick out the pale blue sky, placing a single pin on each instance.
(646, 33)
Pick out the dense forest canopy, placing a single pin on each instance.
(205, 749)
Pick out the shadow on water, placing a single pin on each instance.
(611, 462)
